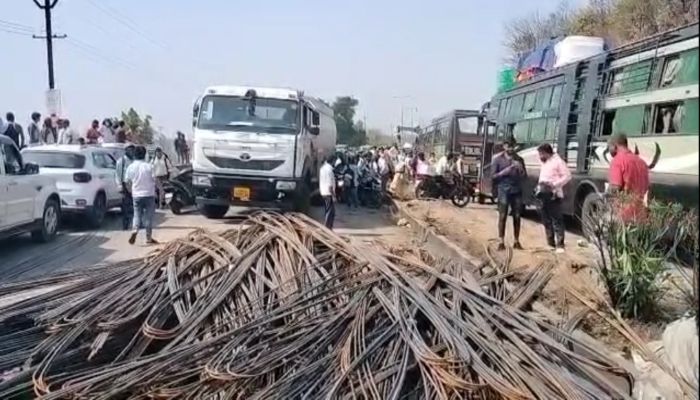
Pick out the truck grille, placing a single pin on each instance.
(234, 163)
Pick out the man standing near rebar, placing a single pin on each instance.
(628, 180)
(326, 182)
(142, 184)
(508, 174)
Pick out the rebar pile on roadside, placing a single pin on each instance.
(285, 309)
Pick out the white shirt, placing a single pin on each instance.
(143, 183)
(382, 166)
(107, 134)
(159, 166)
(441, 165)
(326, 180)
(67, 135)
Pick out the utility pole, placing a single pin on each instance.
(48, 5)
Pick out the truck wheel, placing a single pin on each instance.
(213, 211)
(98, 212)
(302, 200)
(49, 223)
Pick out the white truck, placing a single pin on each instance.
(258, 147)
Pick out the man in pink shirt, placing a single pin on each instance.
(554, 175)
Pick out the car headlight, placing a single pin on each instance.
(286, 185)
(201, 180)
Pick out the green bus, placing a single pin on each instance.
(647, 90)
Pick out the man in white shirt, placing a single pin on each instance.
(142, 185)
(326, 185)
(106, 131)
(66, 133)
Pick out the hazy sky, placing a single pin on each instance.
(158, 55)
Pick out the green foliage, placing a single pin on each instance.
(349, 132)
(634, 256)
(620, 21)
(141, 129)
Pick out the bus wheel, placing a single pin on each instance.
(590, 215)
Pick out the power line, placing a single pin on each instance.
(97, 53)
(21, 33)
(14, 25)
(125, 21)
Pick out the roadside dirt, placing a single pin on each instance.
(474, 228)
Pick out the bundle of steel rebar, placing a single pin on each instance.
(286, 309)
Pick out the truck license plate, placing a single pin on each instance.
(241, 193)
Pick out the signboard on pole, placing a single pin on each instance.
(53, 102)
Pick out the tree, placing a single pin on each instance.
(141, 129)
(526, 33)
(349, 132)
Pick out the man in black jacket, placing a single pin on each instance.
(14, 130)
(508, 176)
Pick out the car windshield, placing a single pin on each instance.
(54, 159)
(241, 114)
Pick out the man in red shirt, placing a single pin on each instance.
(628, 180)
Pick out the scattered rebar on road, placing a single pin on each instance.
(286, 309)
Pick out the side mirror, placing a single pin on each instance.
(30, 169)
(314, 130)
(195, 113)
(315, 119)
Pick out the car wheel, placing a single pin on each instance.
(98, 212)
(214, 211)
(176, 204)
(49, 222)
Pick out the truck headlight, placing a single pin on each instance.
(286, 185)
(201, 180)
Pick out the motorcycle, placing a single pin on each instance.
(369, 192)
(458, 189)
(181, 190)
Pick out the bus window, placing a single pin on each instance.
(608, 122)
(629, 120)
(520, 131)
(529, 102)
(544, 96)
(689, 123)
(468, 125)
(552, 129)
(538, 130)
(501, 108)
(668, 118)
(556, 97)
(516, 105)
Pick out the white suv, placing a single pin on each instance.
(29, 202)
(85, 177)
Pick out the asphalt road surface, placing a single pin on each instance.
(77, 247)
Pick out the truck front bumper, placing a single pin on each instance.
(262, 192)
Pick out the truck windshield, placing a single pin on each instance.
(241, 114)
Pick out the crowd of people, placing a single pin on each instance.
(628, 182)
(55, 130)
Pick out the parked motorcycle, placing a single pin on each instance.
(182, 190)
(369, 192)
(458, 190)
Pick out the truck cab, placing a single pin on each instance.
(258, 147)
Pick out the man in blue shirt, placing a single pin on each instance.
(508, 175)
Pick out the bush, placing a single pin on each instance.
(633, 256)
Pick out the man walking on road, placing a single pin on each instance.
(326, 183)
(508, 173)
(554, 175)
(628, 180)
(141, 181)
(127, 202)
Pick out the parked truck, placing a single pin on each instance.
(258, 147)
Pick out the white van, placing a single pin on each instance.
(258, 147)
